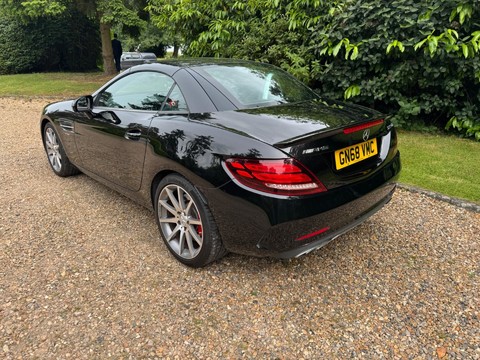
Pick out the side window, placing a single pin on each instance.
(175, 101)
(139, 91)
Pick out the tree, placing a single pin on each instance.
(150, 39)
(68, 42)
(416, 60)
(208, 27)
(107, 12)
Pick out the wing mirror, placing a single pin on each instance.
(83, 104)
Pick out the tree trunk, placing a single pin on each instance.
(107, 51)
(175, 50)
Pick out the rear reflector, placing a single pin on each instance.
(279, 176)
(362, 126)
(308, 236)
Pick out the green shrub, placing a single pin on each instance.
(150, 39)
(17, 49)
(64, 43)
(417, 60)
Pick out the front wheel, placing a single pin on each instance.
(186, 223)
(57, 157)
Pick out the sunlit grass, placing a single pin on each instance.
(444, 164)
(51, 84)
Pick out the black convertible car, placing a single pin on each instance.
(231, 155)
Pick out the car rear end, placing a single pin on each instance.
(358, 165)
(330, 181)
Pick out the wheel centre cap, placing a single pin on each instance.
(183, 220)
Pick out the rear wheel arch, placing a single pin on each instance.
(156, 180)
(162, 174)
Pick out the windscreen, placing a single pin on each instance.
(255, 85)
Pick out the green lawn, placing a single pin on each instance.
(444, 164)
(51, 84)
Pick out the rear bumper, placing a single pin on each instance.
(257, 225)
(336, 221)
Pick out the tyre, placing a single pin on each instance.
(57, 158)
(186, 223)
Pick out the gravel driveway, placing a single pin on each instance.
(84, 275)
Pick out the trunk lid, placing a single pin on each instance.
(339, 143)
(284, 123)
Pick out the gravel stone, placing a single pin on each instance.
(83, 274)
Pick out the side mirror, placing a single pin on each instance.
(83, 104)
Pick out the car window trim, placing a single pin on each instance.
(162, 112)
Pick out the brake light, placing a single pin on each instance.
(362, 126)
(278, 176)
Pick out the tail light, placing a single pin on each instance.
(278, 176)
(367, 125)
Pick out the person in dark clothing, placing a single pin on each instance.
(117, 51)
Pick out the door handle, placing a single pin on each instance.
(134, 134)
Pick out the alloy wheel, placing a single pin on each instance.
(180, 221)
(53, 149)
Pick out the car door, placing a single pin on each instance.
(112, 141)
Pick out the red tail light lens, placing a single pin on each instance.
(278, 176)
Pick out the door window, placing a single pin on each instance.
(175, 101)
(145, 90)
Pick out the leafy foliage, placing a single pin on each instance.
(130, 13)
(51, 43)
(150, 39)
(416, 60)
(17, 53)
(209, 27)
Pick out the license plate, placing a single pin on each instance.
(356, 153)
